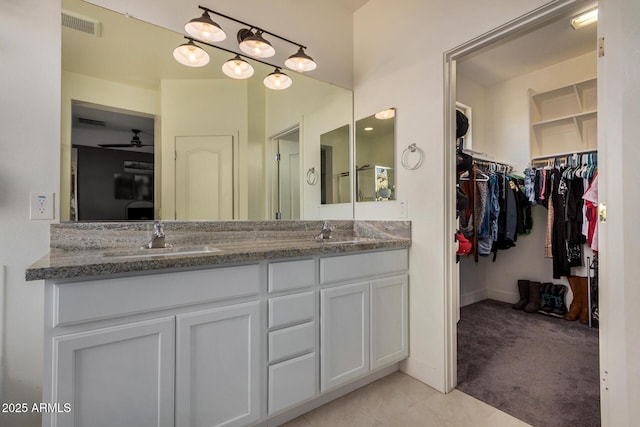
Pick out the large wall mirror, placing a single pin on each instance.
(144, 137)
(375, 157)
(335, 185)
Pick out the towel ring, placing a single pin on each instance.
(312, 176)
(412, 148)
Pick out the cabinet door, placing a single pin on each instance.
(389, 320)
(218, 366)
(344, 333)
(117, 376)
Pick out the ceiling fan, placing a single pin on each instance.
(135, 142)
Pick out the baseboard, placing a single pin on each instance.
(323, 399)
(469, 298)
(503, 296)
(424, 372)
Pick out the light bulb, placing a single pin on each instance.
(237, 68)
(191, 55)
(277, 80)
(205, 29)
(300, 62)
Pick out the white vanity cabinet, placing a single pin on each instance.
(155, 350)
(239, 345)
(363, 323)
(121, 375)
(292, 336)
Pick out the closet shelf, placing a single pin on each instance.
(564, 118)
(579, 116)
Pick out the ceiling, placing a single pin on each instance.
(538, 48)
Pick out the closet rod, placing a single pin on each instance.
(555, 156)
(508, 168)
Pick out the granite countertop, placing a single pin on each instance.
(97, 249)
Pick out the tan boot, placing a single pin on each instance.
(584, 314)
(575, 310)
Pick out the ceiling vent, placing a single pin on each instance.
(80, 23)
(91, 122)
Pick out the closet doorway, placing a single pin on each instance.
(497, 76)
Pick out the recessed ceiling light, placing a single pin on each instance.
(585, 19)
(368, 128)
(386, 114)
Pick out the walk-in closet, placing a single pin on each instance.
(527, 202)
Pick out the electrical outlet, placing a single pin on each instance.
(41, 205)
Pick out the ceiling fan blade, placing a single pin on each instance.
(116, 145)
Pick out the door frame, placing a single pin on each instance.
(272, 183)
(451, 270)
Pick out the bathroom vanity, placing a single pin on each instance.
(232, 326)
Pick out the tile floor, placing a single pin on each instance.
(399, 400)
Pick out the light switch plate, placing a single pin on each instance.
(41, 205)
(404, 209)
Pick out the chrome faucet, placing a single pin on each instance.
(157, 239)
(325, 233)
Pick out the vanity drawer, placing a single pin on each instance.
(102, 299)
(291, 309)
(292, 341)
(288, 275)
(350, 267)
(292, 382)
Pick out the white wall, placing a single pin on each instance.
(403, 67)
(390, 71)
(30, 161)
(472, 94)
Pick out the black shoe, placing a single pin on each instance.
(547, 301)
(558, 293)
(534, 298)
(523, 289)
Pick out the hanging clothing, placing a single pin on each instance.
(559, 242)
(591, 198)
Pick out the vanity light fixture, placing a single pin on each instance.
(386, 114)
(277, 80)
(204, 28)
(251, 42)
(585, 19)
(300, 61)
(254, 44)
(191, 55)
(237, 68)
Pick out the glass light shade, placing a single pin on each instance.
(300, 62)
(205, 29)
(237, 68)
(191, 55)
(256, 45)
(385, 114)
(277, 80)
(585, 19)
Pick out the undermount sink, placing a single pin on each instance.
(158, 252)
